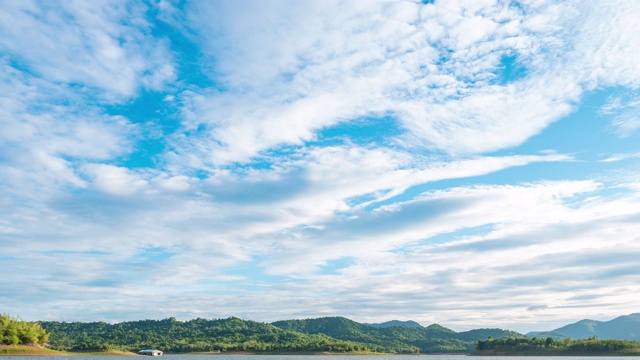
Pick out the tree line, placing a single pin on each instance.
(331, 334)
(549, 346)
(400, 339)
(199, 335)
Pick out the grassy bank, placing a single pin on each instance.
(104, 353)
(26, 350)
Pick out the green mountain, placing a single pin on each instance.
(625, 327)
(175, 336)
(484, 334)
(328, 334)
(580, 330)
(391, 323)
(381, 339)
(547, 334)
(431, 339)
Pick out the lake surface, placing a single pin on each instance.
(333, 357)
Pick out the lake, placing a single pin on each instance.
(333, 357)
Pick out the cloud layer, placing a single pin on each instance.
(278, 160)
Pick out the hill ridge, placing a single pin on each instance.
(390, 323)
(624, 327)
(434, 338)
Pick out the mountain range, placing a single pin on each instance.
(391, 323)
(395, 334)
(625, 327)
(332, 334)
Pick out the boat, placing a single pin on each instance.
(150, 352)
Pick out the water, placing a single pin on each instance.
(332, 357)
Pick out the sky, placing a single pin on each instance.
(471, 163)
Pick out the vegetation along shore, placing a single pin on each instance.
(549, 347)
(329, 335)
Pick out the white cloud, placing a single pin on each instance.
(620, 157)
(604, 47)
(408, 224)
(104, 46)
(59, 64)
(402, 223)
(538, 239)
(115, 180)
(543, 245)
(625, 113)
(42, 141)
(300, 69)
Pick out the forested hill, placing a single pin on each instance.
(335, 334)
(391, 323)
(199, 335)
(625, 327)
(431, 339)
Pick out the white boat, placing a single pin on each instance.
(150, 352)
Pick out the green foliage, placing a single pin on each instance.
(549, 346)
(391, 323)
(379, 339)
(548, 334)
(199, 335)
(332, 334)
(396, 339)
(14, 331)
(479, 334)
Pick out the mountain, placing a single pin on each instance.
(200, 335)
(332, 334)
(328, 334)
(625, 327)
(579, 330)
(346, 329)
(547, 334)
(391, 323)
(431, 339)
(484, 334)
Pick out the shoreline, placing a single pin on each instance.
(34, 350)
(302, 353)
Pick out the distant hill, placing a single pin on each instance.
(484, 334)
(327, 334)
(547, 334)
(409, 323)
(580, 330)
(625, 327)
(431, 339)
(343, 329)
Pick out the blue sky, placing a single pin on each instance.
(467, 163)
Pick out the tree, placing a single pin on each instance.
(14, 331)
